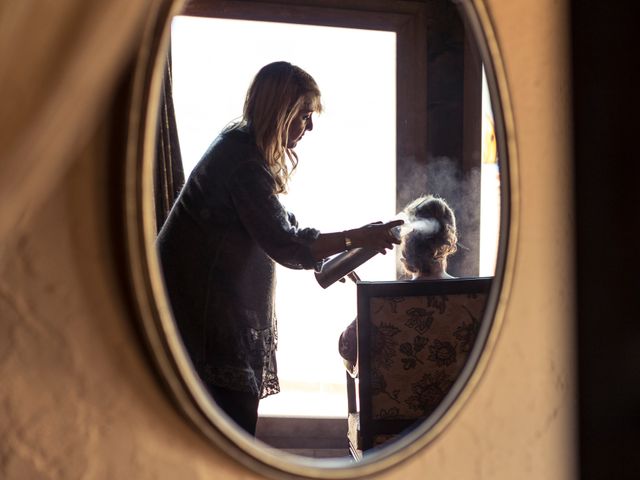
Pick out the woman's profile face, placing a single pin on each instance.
(301, 122)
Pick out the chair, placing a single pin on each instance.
(413, 337)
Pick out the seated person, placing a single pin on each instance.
(428, 237)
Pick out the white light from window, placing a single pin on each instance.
(489, 188)
(345, 179)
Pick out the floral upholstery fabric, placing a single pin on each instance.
(419, 345)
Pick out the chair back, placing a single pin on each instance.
(414, 338)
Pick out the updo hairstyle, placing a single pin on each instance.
(421, 248)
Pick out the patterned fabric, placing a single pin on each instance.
(419, 346)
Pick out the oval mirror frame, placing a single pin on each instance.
(154, 312)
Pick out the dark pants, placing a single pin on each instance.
(242, 407)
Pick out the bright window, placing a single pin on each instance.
(346, 176)
(490, 188)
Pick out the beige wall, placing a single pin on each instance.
(79, 399)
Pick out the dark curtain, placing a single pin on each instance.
(606, 106)
(169, 173)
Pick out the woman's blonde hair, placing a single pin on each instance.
(278, 92)
(422, 248)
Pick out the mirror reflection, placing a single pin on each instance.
(288, 142)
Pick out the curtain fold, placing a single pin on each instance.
(169, 172)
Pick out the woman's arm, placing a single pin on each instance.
(270, 225)
(374, 236)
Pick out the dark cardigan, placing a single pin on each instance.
(217, 250)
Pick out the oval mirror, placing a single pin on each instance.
(373, 359)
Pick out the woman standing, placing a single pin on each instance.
(227, 229)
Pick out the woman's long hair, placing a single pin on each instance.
(432, 237)
(278, 92)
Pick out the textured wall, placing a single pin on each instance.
(78, 397)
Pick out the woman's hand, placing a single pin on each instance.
(376, 236)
